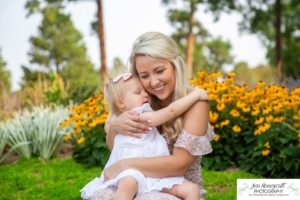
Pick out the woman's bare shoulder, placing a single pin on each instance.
(195, 120)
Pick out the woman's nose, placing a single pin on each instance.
(154, 82)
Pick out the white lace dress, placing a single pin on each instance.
(151, 144)
(197, 146)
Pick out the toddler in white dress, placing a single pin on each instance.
(124, 93)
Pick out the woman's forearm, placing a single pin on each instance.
(163, 166)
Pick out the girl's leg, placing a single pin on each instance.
(127, 189)
(187, 191)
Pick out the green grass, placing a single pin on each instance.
(63, 178)
(222, 185)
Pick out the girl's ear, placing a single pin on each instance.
(120, 104)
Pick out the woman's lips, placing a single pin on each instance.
(158, 89)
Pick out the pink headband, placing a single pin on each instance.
(124, 76)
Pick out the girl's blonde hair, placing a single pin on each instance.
(114, 91)
(160, 46)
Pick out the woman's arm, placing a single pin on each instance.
(177, 164)
(176, 108)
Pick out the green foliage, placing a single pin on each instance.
(284, 147)
(118, 67)
(61, 179)
(57, 92)
(59, 47)
(4, 76)
(251, 76)
(209, 53)
(30, 77)
(93, 151)
(37, 130)
(259, 18)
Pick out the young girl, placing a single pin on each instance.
(124, 93)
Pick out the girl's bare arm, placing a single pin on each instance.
(176, 108)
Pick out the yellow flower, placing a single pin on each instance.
(65, 123)
(246, 109)
(265, 152)
(67, 137)
(255, 112)
(259, 120)
(240, 104)
(262, 128)
(267, 110)
(213, 116)
(231, 74)
(216, 137)
(278, 119)
(269, 118)
(257, 131)
(260, 84)
(267, 145)
(80, 140)
(234, 113)
(266, 127)
(220, 106)
(77, 131)
(297, 124)
(224, 123)
(236, 128)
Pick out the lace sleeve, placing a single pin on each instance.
(196, 145)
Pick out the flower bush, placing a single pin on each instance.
(257, 129)
(86, 131)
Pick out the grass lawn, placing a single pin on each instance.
(63, 178)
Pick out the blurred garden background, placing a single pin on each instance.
(52, 140)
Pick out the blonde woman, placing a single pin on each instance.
(124, 93)
(156, 60)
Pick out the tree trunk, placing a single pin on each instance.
(190, 40)
(103, 67)
(278, 59)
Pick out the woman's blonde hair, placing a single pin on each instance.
(114, 91)
(160, 46)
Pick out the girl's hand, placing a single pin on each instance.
(203, 95)
(131, 124)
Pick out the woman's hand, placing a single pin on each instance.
(130, 123)
(114, 170)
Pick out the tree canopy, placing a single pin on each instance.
(4, 75)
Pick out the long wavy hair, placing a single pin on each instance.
(160, 46)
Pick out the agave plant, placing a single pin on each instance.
(3, 138)
(18, 136)
(36, 132)
(47, 137)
